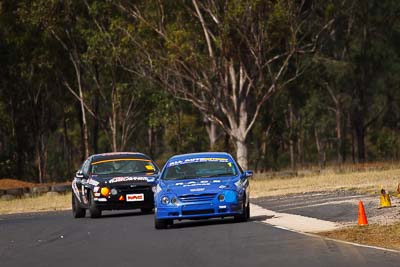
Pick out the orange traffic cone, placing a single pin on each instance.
(362, 218)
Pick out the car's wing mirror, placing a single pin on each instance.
(248, 173)
(79, 174)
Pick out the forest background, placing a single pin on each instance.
(280, 84)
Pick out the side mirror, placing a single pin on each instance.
(79, 174)
(248, 173)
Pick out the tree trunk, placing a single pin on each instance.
(83, 111)
(150, 141)
(292, 160)
(39, 161)
(353, 147)
(67, 146)
(339, 131)
(227, 143)
(264, 152)
(300, 140)
(359, 132)
(41, 152)
(113, 121)
(213, 135)
(360, 144)
(241, 153)
(360, 105)
(95, 135)
(290, 123)
(320, 150)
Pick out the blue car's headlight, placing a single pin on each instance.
(165, 200)
(221, 197)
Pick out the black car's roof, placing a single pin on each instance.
(117, 155)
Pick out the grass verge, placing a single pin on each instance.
(35, 204)
(387, 236)
(328, 180)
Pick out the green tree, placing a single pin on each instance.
(225, 57)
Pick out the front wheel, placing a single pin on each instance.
(95, 212)
(248, 211)
(162, 224)
(77, 211)
(146, 210)
(245, 215)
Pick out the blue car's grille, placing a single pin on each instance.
(197, 212)
(197, 198)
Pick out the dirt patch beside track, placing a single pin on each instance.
(13, 183)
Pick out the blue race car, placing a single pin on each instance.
(200, 186)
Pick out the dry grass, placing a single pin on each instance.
(34, 204)
(387, 236)
(329, 180)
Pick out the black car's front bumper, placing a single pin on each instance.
(127, 198)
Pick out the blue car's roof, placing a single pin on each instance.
(201, 154)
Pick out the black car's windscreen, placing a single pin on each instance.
(200, 170)
(122, 166)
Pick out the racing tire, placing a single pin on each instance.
(248, 211)
(244, 216)
(160, 224)
(95, 212)
(146, 210)
(77, 211)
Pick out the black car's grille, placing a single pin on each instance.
(197, 212)
(135, 188)
(197, 198)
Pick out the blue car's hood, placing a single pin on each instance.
(198, 186)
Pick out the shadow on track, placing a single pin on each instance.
(217, 221)
(200, 223)
(261, 218)
(116, 214)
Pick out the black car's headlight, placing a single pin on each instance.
(114, 191)
(105, 191)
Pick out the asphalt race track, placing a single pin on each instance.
(129, 239)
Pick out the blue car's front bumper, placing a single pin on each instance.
(198, 210)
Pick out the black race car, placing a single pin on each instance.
(113, 181)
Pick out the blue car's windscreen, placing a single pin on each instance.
(201, 169)
(122, 166)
